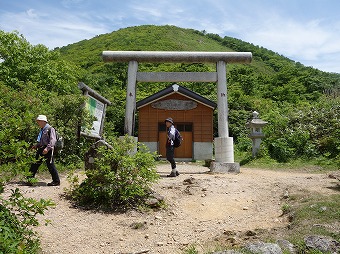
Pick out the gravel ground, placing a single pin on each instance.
(198, 211)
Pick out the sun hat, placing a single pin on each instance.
(42, 118)
(169, 119)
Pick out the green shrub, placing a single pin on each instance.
(191, 250)
(17, 217)
(121, 178)
(280, 150)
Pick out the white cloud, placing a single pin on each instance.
(58, 30)
(311, 43)
(31, 13)
(310, 37)
(143, 12)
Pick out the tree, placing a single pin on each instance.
(34, 80)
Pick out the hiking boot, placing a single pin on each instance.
(53, 184)
(172, 174)
(177, 173)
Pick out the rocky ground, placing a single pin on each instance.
(201, 206)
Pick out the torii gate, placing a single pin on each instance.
(224, 147)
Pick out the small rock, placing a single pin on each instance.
(185, 243)
(190, 180)
(286, 194)
(231, 240)
(229, 232)
(152, 202)
(323, 208)
(264, 248)
(227, 252)
(157, 196)
(321, 243)
(286, 246)
(334, 176)
(250, 233)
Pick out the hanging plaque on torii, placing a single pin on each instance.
(224, 147)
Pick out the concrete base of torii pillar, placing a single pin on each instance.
(224, 156)
(225, 167)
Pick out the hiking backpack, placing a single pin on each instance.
(59, 144)
(178, 139)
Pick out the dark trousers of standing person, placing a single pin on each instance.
(170, 153)
(40, 157)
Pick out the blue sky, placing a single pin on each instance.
(306, 31)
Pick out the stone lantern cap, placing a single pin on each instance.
(256, 122)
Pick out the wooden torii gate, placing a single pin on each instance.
(224, 147)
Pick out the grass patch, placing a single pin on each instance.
(309, 214)
(310, 165)
(316, 214)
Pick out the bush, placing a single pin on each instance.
(280, 150)
(121, 178)
(17, 217)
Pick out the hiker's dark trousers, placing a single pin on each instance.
(40, 158)
(170, 153)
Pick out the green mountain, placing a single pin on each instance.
(170, 38)
(146, 38)
(266, 63)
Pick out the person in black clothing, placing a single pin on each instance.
(45, 147)
(170, 149)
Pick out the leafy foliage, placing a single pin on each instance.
(23, 63)
(121, 178)
(17, 217)
(27, 73)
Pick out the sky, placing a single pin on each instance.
(305, 31)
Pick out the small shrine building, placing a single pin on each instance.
(192, 115)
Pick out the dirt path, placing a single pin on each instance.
(210, 205)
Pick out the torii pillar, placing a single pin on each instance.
(224, 147)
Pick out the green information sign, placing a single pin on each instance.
(96, 109)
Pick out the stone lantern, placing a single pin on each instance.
(256, 133)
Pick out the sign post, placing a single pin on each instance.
(96, 105)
